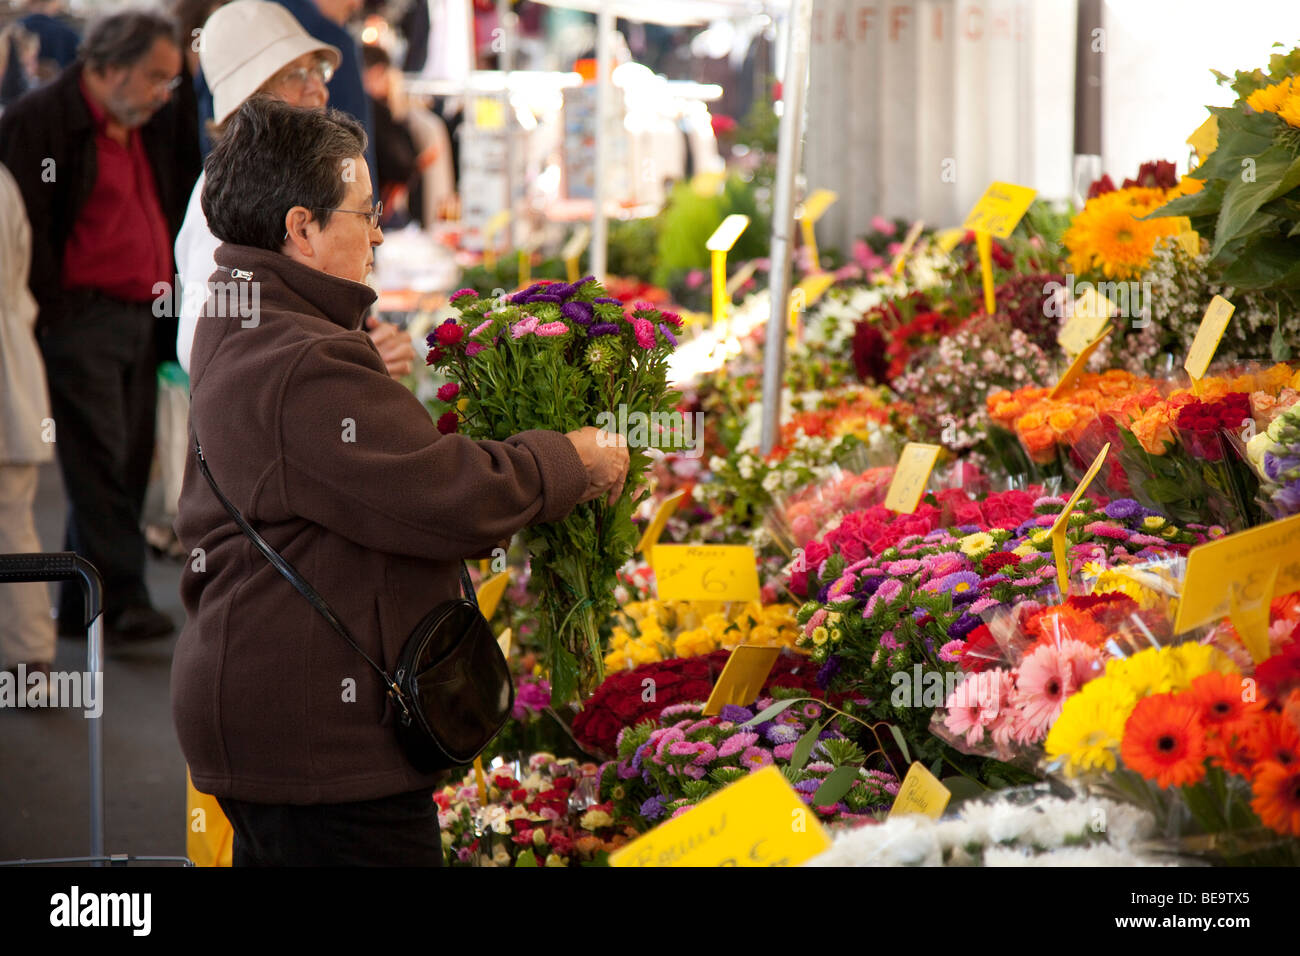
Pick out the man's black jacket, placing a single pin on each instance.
(47, 140)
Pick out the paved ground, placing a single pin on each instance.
(44, 796)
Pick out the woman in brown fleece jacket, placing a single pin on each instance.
(342, 471)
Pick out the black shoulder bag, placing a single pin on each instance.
(451, 692)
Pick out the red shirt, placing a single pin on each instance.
(119, 244)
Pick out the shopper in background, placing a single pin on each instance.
(251, 46)
(59, 41)
(26, 436)
(399, 163)
(104, 180)
(345, 474)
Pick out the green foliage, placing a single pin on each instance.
(1280, 66)
(690, 218)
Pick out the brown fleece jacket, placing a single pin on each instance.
(343, 472)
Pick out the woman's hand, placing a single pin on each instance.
(605, 457)
(394, 346)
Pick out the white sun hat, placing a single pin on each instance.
(245, 43)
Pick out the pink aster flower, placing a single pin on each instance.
(551, 329)
(670, 737)
(784, 751)
(524, 326)
(841, 587)
(680, 810)
(1102, 529)
(645, 333)
(736, 743)
(756, 758)
(889, 642)
(820, 766)
(980, 605)
(481, 327)
(474, 348)
(814, 622)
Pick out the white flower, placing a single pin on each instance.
(717, 463)
(772, 482)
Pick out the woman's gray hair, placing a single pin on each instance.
(273, 157)
(123, 39)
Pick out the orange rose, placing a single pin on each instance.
(1040, 443)
(1152, 432)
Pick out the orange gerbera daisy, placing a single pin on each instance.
(1164, 741)
(1274, 739)
(1220, 698)
(1277, 797)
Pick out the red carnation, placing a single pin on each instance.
(448, 422)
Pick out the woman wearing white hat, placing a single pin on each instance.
(246, 47)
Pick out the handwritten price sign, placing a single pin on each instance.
(718, 572)
(1000, 209)
(910, 477)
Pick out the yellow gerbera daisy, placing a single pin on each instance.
(1087, 735)
(1270, 98)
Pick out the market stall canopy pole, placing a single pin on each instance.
(1089, 48)
(793, 87)
(604, 94)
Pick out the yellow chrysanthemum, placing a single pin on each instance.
(1271, 98)
(1109, 237)
(977, 545)
(1087, 735)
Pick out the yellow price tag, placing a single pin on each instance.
(1078, 364)
(490, 230)
(705, 572)
(1000, 208)
(743, 677)
(725, 236)
(480, 779)
(1213, 324)
(910, 477)
(906, 249)
(656, 526)
(490, 593)
(809, 290)
(1246, 569)
(1092, 311)
(1190, 241)
(921, 792)
(815, 206)
(489, 113)
(949, 238)
(757, 821)
(505, 640)
(1205, 139)
(984, 244)
(1062, 523)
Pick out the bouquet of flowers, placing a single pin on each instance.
(665, 768)
(628, 698)
(799, 517)
(1213, 755)
(893, 627)
(552, 357)
(1021, 827)
(542, 813)
(650, 631)
(1275, 453)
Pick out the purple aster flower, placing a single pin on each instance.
(627, 771)
(782, 734)
(963, 626)
(962, 582)
(826, 673)
(602, 328)
(735, 714)
(546, 297)
(668, 335)
(653, 808)
(1123, 508)
(809, 786)
(607, 300)
(580, 312)
(562, 290)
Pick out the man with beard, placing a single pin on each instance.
(105, 179)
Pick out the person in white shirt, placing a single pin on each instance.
(247, 47)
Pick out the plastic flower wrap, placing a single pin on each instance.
(1212, 753)
(664, 769)
(892, 624)
(555, 356)
(540, 812)
(1275, 455)
(797, 518)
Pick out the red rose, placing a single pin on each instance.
(448, 422)
(1008, 509)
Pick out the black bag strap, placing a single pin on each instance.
(306, 590)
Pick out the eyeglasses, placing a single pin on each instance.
(171, 85)
(321, 69)
(373, 214)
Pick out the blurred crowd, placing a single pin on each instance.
(104, 243)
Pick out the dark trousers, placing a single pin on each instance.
(99, 359)
(391, 831)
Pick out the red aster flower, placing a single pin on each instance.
(448, 422)
(449, 333)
